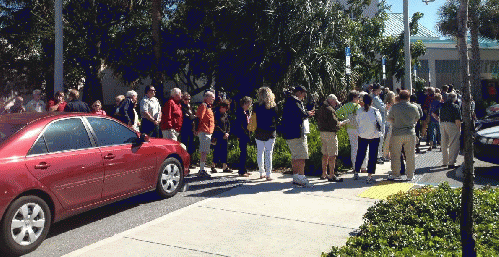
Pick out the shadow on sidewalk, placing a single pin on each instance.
(287, 187)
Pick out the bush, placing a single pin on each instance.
(281, 157)
(425, 222)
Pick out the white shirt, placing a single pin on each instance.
(151, 106)
(367, 123)
(35, 106)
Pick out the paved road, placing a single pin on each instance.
(430, 171)
(90, 227)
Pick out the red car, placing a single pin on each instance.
(53, 166)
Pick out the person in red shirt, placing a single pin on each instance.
(171, 120)
(57, 104)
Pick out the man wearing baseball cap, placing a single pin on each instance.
(293, 117)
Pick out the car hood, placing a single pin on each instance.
(489, 132)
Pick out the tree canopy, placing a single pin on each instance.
(233, 45)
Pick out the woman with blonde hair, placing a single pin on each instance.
(265, 133)
(97, 108)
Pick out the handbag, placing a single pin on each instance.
(252, 123)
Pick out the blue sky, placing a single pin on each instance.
(430, 11)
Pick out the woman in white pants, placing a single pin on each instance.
(349, 111)
(265, 133)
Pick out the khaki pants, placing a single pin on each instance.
(408, 142)
(450, 142)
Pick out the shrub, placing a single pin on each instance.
(282, 157)
(425, 222)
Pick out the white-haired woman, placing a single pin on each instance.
(389, 102)
(128, 111)
(265, 134)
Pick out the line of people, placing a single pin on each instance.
(381, 125)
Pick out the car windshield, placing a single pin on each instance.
(7, 130)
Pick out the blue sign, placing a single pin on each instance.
(347, 51)
(383, 61)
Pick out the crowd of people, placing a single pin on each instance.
(382, 126)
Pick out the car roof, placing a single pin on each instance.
(29, 117)
(490, 132)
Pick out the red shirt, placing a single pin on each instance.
(101, 112)
(60, 108)
(171, 115)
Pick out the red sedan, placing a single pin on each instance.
(53, 166)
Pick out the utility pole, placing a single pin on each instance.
(58, 59)
(407, 48)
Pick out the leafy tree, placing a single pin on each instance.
(89, 28)
(250, 43)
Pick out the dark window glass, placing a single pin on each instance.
(7, 130)
(109, 132)
(68, 134)
(39, 147)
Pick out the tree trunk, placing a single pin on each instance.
(157, 80)
(92, 90)
(467, 239)
(475, 52)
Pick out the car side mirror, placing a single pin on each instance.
(144, 137)
(141, 139)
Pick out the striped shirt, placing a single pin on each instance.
(348, 111)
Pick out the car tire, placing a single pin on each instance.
(171, 178)
(18, 221)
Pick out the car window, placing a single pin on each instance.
(110, 132)
(7, 130)
(39, 147)
(67, 134)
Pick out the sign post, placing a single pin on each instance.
(348, 70)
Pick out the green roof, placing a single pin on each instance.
(394, 26)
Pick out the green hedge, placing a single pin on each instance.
(282, 157)
(425, 222)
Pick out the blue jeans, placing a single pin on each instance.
(373, 154)
(434, 132)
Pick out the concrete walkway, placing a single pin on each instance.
(259, 218)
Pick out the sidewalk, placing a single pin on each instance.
(259, 218)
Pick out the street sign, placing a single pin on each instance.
(348, 71)
(347, 51)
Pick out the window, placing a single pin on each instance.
(39, 147)
(68, 134)
(7, 130)
(109, 132)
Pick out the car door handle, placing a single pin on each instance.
(42, 166)
(109, 156)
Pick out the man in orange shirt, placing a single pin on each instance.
(205, 130)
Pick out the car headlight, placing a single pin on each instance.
(483, 140)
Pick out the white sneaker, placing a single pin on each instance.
(301, 181)
(392, 177)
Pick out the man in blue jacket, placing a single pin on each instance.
(294, 115)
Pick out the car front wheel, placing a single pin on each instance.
(171, 178)
(25, 225)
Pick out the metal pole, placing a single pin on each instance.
(58, 59)
(407, 48)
